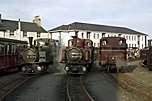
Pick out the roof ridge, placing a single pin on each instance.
(29, 26)
(97, 27)
(100, 25)
(17, 21)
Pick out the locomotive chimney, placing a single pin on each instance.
(74, 41)
(30, 41)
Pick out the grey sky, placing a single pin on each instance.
(134, 14)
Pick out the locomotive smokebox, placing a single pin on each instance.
(30, 41)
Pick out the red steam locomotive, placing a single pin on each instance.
(113, 53)
(78, 56)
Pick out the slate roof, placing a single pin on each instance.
(2, 28)
(95, 27)
(25, 26)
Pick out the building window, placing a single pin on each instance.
(138, 37)
(114, 35)
(82, 34)
(88, 35)
(129, 37)
(103, 34)
(94, 36)
(94, 44)
(98, 36)
(108, 35)
(38, 34)
(98, 44)
(135, 45)
(132, 38)
(11, 33)
(142, 38)
(24, 34)
(119, 35)
(126, 37)
(135, 38)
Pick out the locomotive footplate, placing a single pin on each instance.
(34, 68)
(75, 69)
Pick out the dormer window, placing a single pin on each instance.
(38, 34)
(7, 31)
(24, 34)
(11, 33)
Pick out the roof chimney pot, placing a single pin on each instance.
(37, 20)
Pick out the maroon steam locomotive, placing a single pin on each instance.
(113, 53)
(8, 54)
(146, 55)
(78, 56)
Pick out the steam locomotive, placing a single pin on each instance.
(78, 56)
(113, 53)
(37, 57)
(146, 55)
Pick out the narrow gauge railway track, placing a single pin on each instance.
(76, 90)
(8, 86)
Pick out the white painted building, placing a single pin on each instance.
(20, 30)
(96, 32)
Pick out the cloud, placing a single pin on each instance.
(130, 13)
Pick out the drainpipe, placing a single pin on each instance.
(19, 28)
(0, 19)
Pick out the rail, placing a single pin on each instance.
(7, 88)
(76, 90)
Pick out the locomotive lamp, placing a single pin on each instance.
(23, 69)
(84, 69)
(67, 68)
(39, 68)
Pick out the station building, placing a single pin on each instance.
(21, 30)
(95, 32)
